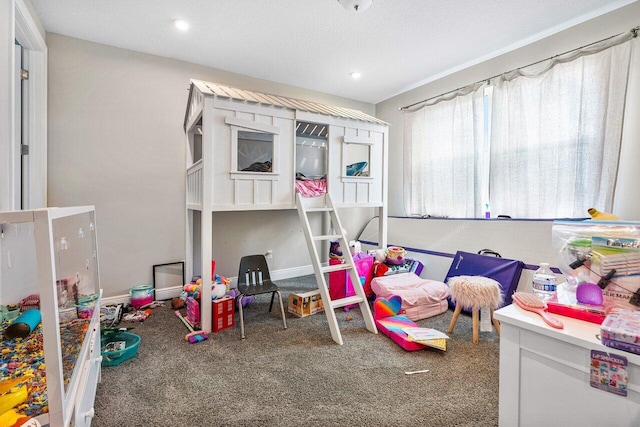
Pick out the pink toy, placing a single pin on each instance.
(421, 298)
(390, 323)
(340, 285)
(193, 336)
(396, 255)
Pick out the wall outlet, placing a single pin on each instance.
(269, 254)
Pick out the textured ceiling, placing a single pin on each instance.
(316, 44)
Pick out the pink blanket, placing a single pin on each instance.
(311, 187)
(421, 298)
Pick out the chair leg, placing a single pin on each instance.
(273, 294)
(495, 322)
(454, 319)
(284, 318)
(241, 317)
(475, 317)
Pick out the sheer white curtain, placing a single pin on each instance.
(556, 131)
(442, 155)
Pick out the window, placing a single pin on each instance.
(442, 155)
(538, 144)
(254, 149)
(356, 158)
(255, 152)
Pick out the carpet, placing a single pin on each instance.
(299, 376)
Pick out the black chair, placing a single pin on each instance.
(254, 279)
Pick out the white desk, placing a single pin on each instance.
(544, 375)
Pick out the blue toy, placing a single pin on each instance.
(24, 324)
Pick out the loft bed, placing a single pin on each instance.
(248, 150)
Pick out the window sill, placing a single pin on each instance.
(264, 176)
(356, 178)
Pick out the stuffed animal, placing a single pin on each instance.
(379, 269)
(380, 255)
(233, 293)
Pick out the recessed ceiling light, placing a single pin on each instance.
(355, 75)
(181, 24)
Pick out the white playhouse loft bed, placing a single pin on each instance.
(251, 151)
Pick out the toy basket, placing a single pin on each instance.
(118, 347)
(141, 295)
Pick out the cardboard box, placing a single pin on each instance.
(305, 303)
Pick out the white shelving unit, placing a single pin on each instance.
(53, 252)
(229, 130)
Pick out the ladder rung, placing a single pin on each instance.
(335, 267)
(343, 302)
(325, 209)
(327, 237)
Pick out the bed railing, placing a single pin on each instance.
(194, 185)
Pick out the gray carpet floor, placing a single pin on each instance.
(299, 376)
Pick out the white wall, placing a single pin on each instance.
(529, 241)
(627, 203)
(116, 141)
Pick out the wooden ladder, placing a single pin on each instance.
(323, 203)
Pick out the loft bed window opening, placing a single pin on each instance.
(195, 143)
(255, 151)
(312, 158)
(311, 150)
(356, 158)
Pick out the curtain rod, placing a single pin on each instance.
(633, 31)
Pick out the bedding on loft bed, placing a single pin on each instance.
(309, 187)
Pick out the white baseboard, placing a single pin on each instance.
(175, 291)
(288, 273)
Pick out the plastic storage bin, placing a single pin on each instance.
(340, 285)
(112, 355)
(141, 295)
(606, 253)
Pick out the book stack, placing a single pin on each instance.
(427, 336)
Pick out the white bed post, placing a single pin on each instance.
(383, 210)
(206, 213)
(188, 250)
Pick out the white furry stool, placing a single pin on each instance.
(473, 293)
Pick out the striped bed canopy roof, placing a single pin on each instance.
(214, 89)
